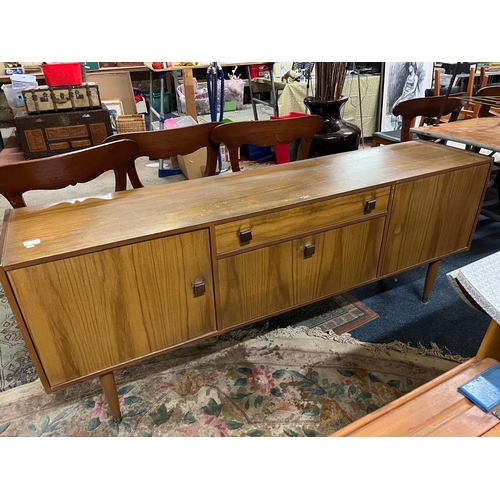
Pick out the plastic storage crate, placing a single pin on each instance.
(14, 95)
(62, 74)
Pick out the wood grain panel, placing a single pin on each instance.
(433, 217)
(292, 222)
(95, 311)
(267, 280)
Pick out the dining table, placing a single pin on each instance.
(474, 132)
(482, 133)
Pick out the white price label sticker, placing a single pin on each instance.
(31, 243)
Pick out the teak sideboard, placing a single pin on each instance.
(100, 283)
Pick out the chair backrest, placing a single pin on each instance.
(57, 172)
(428, 108)
(267, 133)
(490, 91)
(172, 142)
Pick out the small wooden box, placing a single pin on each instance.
(45, 99)
(55, 133)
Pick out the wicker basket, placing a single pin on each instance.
(130, 123)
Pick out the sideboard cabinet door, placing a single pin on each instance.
(433, 217)
(94, 311)
(272, 279)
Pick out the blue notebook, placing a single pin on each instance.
(484, 390)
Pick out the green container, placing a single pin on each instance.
(157, 102)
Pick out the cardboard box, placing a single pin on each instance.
(116, 86)
(193, 165)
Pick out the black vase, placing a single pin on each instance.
(337, 135)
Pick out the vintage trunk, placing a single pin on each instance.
(45, 99)
(55, 133)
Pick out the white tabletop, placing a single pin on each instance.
(480, 279)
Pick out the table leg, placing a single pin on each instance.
(150, 100)
(187, 76)
(252, 102)
(430, 277)
(109, 387)
(490, 345)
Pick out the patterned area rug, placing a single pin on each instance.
(341, 314)
(16, 367)
(285, 382)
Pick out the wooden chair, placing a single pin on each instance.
(491, 93)
(471, 109)
(267, 133)
(427, 108)
(57, 172)
(172, 142)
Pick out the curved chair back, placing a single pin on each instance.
(267, 133)
(172, 142)
(428, 108)
(57, 172)
(488, 91)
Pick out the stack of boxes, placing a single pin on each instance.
(64, 115)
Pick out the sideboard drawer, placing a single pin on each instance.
(253, 231)
(277, 277)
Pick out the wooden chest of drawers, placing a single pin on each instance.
(110, 281)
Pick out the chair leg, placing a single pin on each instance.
(134, 177)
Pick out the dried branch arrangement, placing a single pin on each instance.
(330, 78)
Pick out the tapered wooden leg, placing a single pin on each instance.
(490, 346)
(430, 277)
(109, 386)
(134, 177)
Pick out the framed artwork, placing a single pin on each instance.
(115, 108)
(402, 81)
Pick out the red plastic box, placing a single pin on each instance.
(282, 151)
(258, 70)
(62, 74)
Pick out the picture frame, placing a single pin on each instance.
(115, 104)
(401, 81)
(115, 108)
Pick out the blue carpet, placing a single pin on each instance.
(445, 320)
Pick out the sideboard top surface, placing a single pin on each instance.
(77, 226)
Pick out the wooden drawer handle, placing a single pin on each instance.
(199, 288)
(309, 250)
(370, 205)
(245, 235)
